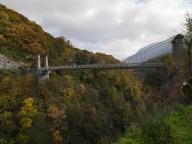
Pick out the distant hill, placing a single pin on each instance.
(21, 39)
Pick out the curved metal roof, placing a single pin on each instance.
(151, 51)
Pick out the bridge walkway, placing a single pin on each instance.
(102, 66)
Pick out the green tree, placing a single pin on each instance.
(3, 141)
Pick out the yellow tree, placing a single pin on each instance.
(26, 115)
(56, 116)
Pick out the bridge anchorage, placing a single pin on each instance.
(42, 73)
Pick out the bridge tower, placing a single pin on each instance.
(38, 66)
(178, 45)
(45, 74)
(40, 74)
(38, 62)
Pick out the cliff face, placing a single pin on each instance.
(6, 63)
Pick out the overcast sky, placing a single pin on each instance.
(116, 27)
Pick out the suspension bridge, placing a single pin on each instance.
(43, 72)
(173, 46)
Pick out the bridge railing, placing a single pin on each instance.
(102, 66)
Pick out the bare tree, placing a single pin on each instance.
(188, 40)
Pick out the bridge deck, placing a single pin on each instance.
(103, 66)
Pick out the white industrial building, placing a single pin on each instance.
(168, 46)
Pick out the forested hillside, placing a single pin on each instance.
(72, 107)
